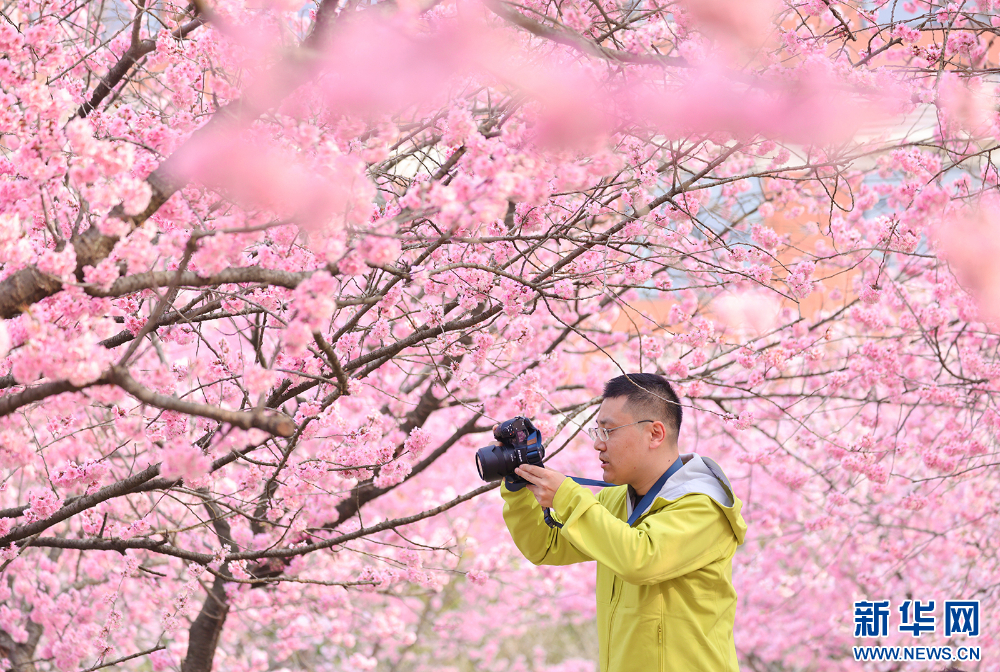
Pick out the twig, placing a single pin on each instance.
(124, 658)
(891, 43)
(840, 17)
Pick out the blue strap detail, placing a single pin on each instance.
(647, 499)
(590, 481)
(644, 503)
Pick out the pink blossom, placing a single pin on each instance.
(765, 236)
(185, 461)
(677, 370)
(757, 310)
(60, 264)
(741, 422)
(963, 103)
(417, 442)
(42, 504)
(380, 251)
(870, 294)
(967, 243)
(162, 660)
(392, 473)
(103, 275)
(258, 380)
(739, 23)
(477, 577)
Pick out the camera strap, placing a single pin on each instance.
(547, 513)
(640, 508)
(649, 497)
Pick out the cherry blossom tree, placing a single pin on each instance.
(272, 271)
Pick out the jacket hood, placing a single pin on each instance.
(704, 476)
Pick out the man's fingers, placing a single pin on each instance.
(532, 469)
(527, 475)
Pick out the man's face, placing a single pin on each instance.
(621, 455)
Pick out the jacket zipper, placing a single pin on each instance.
(616, 595)
(659, 648)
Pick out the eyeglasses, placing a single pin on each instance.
(603, 434)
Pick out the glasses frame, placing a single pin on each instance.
(604, 433)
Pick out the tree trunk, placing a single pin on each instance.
(21, 656)
(206, 629)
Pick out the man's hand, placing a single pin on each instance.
(542, 482)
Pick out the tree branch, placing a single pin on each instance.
(29, 285)
(362, 532)
(561, 35)
(272, 424)
(205, 631)
(12, 402)
(145, 543)
(136, 51)
(146, 486)
(124, 658)
(80, 504)
(229, 276)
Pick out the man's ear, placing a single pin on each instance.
(659, 434)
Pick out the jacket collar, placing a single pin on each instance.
(704, 476)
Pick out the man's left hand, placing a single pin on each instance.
(542, 482)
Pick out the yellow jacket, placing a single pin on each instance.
(665, 597)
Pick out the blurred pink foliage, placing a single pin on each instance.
(970, 243)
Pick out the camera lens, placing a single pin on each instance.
(490, 463)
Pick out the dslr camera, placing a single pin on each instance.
(520, 443)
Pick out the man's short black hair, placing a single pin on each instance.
(650, 394)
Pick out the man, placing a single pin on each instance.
(664, 542)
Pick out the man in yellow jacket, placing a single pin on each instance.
(663, 541)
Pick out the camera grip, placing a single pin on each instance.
(514, 483)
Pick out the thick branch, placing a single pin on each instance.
(12, 402)
(204, 634)
(25, 288)
(256, 419)
(120, 546)
(229, 276)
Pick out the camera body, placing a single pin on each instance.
(520, 443)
